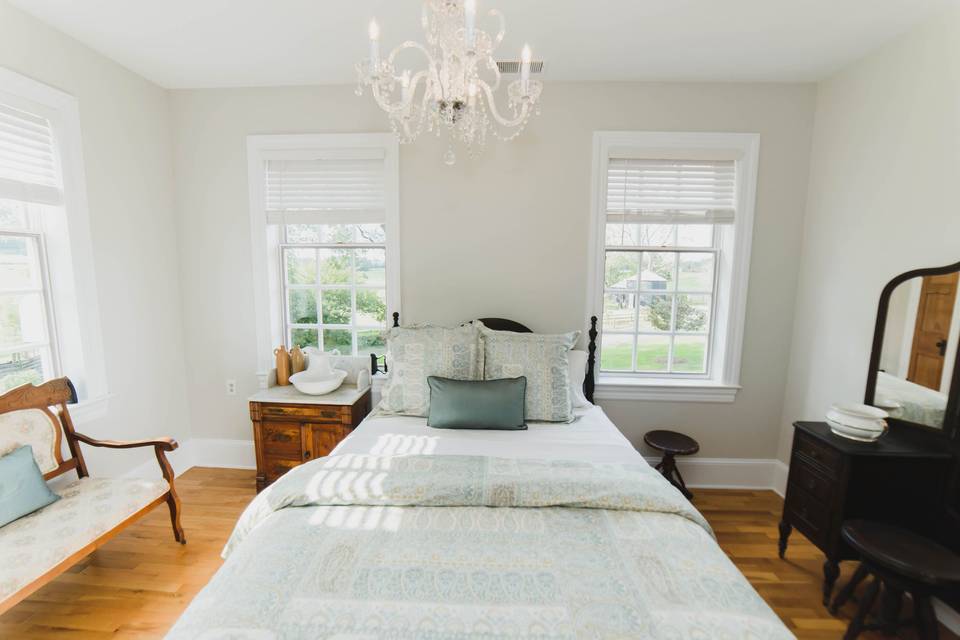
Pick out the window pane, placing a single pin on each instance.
(619, 311)
(656, 313)
(335, 266)
(690, 354)
(693, 313)
(19, 368)
(303, 306)
(621, 269)
(696, 272)
(304, 338)
(301, 266)
(22, 319)
(19, 263)
(656, 272)
(695, 235)
(657, 235)
(653, 353)
(371, 307)
(371, 266)
(306, 233)
(616, 352)
(13, 215)
(335, 306)
(370, 342)
(372, 233)
(338, 340)
(336, 233)
(627, 235)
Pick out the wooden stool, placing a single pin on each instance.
(901, 562)
(672, 444)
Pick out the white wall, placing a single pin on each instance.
(504, 234)
(127, 152)
(884, 168)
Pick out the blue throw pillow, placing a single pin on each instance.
(477, 404)
(22, 487)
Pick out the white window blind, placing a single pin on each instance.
(28, 159)
(671, 191)
(328, 190)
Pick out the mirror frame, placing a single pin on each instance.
(951, 418)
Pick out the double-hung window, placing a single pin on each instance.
(49, 316)
(673, 218)
(29, 184)
(329, 206)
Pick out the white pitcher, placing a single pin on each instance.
(318, 363)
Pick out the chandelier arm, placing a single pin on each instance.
(409, 44)
(405, 101)
(501, 31)
(492, 106)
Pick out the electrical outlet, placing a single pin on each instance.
(231, 387)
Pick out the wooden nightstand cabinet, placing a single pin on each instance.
(290, 428)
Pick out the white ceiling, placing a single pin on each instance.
(224, 43)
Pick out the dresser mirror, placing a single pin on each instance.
(913, 366)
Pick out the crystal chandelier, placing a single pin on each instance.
(455, 92)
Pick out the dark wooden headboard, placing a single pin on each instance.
(503, 324)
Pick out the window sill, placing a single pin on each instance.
(89, 410)
(624, 388)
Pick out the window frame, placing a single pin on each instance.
(731, 271)
(268, 240)
(69, 248)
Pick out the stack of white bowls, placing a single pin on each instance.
(857, 421)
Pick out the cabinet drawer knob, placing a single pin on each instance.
(306, 455)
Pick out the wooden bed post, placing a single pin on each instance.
(589, 381)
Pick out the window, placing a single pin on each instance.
(28, 351)
(673, 218)
(327, 205)
(49, 317)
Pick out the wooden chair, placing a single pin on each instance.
(26, 418)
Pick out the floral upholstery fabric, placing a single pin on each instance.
(88, 508)
(414, 353)
(569, 550)
(543, 359)
(30, 427)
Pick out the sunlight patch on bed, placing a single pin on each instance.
(396, 444)
(358, 518)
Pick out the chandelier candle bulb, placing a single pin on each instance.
(525, 56)
(374, 47)
(470, 16)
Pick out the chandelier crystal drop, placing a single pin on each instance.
(454, 91)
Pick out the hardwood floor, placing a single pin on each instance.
(138, 584)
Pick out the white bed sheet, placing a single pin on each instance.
(591, 437)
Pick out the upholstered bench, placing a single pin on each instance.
(40, 546)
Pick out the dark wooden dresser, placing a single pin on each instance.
(290, 428)
(899, 479)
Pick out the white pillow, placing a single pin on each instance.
(578, 371)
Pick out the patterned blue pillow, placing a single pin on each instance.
(416, 353)
(22, 487)
(542, 359)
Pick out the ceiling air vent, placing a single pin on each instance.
(513, 66)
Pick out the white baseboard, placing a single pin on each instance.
(202, 452)
(730, 473)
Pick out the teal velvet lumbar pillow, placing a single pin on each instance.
(477, 404)
(22, 487)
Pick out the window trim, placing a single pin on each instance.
(69, 248)
(723, 383)
(266, 238)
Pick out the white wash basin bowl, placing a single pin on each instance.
(318, 384)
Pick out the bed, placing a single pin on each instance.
(910, 401)
(404, 531)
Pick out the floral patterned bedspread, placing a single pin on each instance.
(464, 547)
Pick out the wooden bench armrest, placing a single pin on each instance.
(164, 443)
